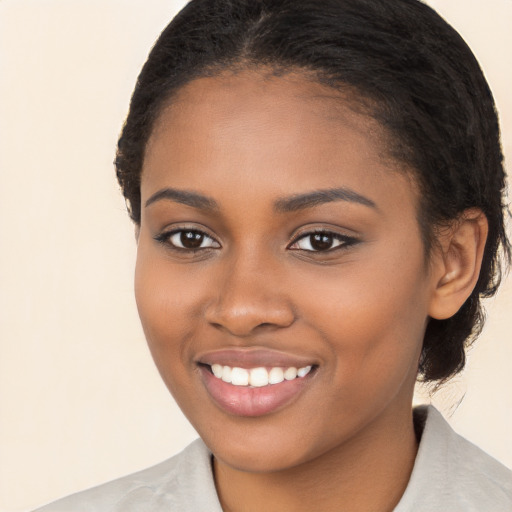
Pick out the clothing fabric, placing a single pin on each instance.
(450, 475)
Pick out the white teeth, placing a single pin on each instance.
(290, 373)
(226, 374)
(217, 370)
(302, 372)
(257, 377)
(239, 377)
(275, 376)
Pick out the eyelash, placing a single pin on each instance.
(344, 240)
(165, 239)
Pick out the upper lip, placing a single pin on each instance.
(253, 357)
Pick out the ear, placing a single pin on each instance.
(457, 262)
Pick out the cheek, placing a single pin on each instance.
(373, 320)
(166, 302)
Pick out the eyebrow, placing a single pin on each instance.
(318, 197)
(284, 205)
(186, 197)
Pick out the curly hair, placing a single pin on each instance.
(410, 68)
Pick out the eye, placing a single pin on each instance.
(321, 241)
(188, 239)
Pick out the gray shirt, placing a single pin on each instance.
(450, 475)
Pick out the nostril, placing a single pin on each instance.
(243, 329)
(231, 316)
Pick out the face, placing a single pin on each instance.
(277, 238)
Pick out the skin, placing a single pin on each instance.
(358, 310)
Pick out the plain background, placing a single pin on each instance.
(80, 399)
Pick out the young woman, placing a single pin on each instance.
(317, 190)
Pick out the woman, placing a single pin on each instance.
(317, 190)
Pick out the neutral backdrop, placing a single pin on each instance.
(80, 399)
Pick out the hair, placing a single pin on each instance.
(414, 73)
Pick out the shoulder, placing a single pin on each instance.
(451, 473)
(170, 485)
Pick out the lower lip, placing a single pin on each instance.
(249, 401)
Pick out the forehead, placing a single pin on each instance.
(258, 97)
(267, 88)
(256, 129)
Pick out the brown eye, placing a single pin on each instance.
(188, 239)
(322, 241)
(191, 239)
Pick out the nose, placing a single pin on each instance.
(249, 297)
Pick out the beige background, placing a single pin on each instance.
(80, 400)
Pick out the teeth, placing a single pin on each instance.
(239, 377)
(290, 373)
(257, 377)
(217, 370)
(275, 376)
(302, 372)
(226, 373)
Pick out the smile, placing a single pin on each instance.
(257, 377)
(256, 391)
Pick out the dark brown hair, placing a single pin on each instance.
(422, 81)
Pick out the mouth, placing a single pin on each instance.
(243, 389)
(257, 377)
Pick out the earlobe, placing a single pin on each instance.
(458, 262)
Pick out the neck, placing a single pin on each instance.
(368, 472)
